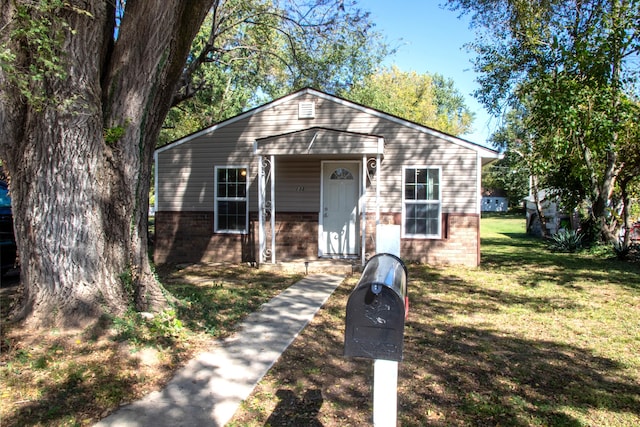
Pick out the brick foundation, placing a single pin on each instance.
(459, 245)
(296, 235)
(189, 237)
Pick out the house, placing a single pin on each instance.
(494, 200)
(311, 175)
(494, 204)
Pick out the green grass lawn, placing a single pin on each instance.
(530, 338)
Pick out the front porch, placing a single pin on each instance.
(342, 177)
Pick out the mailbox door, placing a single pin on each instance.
(374, 324)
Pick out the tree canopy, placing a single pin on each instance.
(86, 87)
(427, 99)
(572, 67)
(249, 52)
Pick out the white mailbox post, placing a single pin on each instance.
(385, 372)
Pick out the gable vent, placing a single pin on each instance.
(307, 110)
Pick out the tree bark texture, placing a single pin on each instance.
(80, 165)
(535, 191)
(601, 190)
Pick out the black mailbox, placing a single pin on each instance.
(377, 309)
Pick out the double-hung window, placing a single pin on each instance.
(231, 201)
(421, 202)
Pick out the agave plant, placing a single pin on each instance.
(566, 241)
(622, 252)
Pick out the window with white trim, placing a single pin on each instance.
(231, 200)
(421, 204)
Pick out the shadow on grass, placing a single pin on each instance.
(81, 390)
(450, 375)
(312, 377)
(475, 376)
(292, 410)
(221, 298)
(532, 257)
(466, 297)
(82, 377)
(475, 373)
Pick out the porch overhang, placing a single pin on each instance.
(317, 141)
(324, 144)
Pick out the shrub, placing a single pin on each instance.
(146, 329)
(566, 241)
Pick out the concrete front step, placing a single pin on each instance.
(315, 266)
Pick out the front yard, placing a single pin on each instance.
(530, 338)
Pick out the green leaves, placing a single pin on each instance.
(566, 241)
(33, 52)
(113, 134)
(248, 52)
(570, 67)
(428, 99)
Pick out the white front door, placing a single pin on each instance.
(340, 222)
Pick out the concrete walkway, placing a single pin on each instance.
(209, 389)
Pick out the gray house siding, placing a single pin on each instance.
(298, 185)
(188, 168)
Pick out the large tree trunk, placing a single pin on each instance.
(601, 186)
(80, 165)
(626, 218)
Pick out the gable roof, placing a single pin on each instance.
(484, 152)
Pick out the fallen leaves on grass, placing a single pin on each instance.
(54, 378)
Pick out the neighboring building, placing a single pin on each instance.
(494, 200)
(310, 175)
(556, 218)
(495, 204)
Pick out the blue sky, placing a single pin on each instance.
(430, 39)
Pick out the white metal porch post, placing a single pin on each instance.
(261, 209)
(378, 188)
(266, 169)
(366, 165)
(273, 209)
(363, 210)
